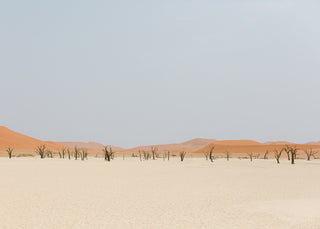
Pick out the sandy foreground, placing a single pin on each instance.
(56, 193)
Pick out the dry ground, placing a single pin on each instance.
(56, 193)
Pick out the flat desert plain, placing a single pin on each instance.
(61, 193)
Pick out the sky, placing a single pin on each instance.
(131, 73)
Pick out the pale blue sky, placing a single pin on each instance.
(139, 72)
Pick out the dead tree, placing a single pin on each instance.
(293, 152)
(206, 154)
(60, 154)
(76, 153)
(9, 151)
(277, 154)
(63, 151)
(154, 152)
(227, 155)
(69, 154)
(146, 155)
(168, 155)
(84, 154)
(41, 150)
(250, 156)
(310, 153)
(265, 156)
(182, 155)
(140, 155)
(49, 153)
(108, 153)
(287, 149)
(211, 157)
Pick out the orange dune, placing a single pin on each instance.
(279, 143)
(9, 138)
(248, 146)
(189, 146)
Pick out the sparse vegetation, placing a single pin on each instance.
(9, 151)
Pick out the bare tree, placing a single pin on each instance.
(9, 151)
(60, 154)
(211, 157)
(168, 155)
(227, 155)
(154, 152)
(277, 154)
(108, 153)
(250, 156)
(76, 153)
(84, 154)
(206, 154)
(140, 155)
(310, 153)
(164, 155)
(146, 155)
(69, 154)
(287, 149)
(182, 155)
(49, 154)
(63, 151)
(292, 152)
(265, 156)
(41, 150)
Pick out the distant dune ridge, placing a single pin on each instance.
(190, 146)
(9, 138)
(89, 145)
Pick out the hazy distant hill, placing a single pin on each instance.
(190, 146)
(88, 145)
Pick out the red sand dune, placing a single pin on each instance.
(279, 143)
(9, 138)
(88, 145)
(248, 146)
(189, 146)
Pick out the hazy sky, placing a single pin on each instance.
(139, 72)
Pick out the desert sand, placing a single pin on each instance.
(61, 193)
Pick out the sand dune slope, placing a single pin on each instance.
(21, 141)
